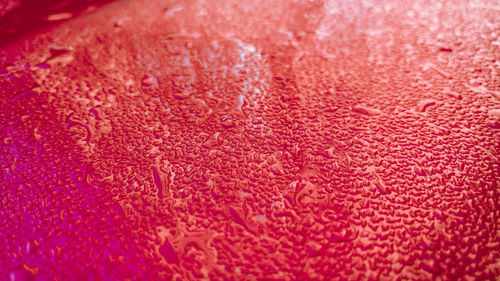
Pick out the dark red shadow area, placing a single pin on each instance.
(23, 17)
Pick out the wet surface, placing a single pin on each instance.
(254, 140)
(20, 18)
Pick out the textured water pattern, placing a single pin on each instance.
(253, 140)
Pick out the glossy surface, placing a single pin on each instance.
(253, 140)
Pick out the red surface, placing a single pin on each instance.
(254, 140)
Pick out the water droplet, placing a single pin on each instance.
(96, 114)
(26, 94)
(305, 192)
(228, 123)
(453, 94)
(240, 218)
(36, 134)
(181, 96)
(494, 113)
(241, 102)
(61, 56)
(170, 12)
(73, 128)
(60, 16)
(149, 80)
(432, 66)
(31, 245)
(423, 104)
(23, 273)
(366, 110)
(212, 141)
(237, 218)
(157, 180)
(483, 90)
(260, 218)
(43, 65)
(168, 252)
(162, 180)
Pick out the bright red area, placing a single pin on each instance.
(250, 140)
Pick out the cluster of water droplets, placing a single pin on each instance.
(193, 151)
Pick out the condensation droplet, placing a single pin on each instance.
(168, 252)
(60, 16)
(453, 94)
(260, 218)
(212, 141)
(162, 181)
(494, 113)
(61, 56)
(24, 273)
(366, 110)
(423, 104)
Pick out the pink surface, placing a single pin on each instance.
(252, 140)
